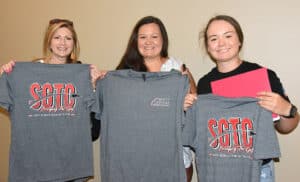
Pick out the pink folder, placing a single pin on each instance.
(243, 85)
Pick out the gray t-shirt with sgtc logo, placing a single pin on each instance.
(231, 137)
(50, 125)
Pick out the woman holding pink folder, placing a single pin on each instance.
(223, 40)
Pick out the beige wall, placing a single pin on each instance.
(271, 39)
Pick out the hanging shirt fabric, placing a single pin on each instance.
(231, 137)
(49, 107)
(141, 117)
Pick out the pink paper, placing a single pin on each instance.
(243, 85)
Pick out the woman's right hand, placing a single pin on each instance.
(96, 74)
(8, 67)
(189, 101)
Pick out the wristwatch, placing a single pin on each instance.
(293, 112)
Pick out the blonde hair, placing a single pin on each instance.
(53, 26)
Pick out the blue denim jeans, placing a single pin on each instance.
(267, 172)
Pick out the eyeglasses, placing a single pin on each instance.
(57, 20)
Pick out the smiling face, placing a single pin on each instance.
(62, 44)
(150, 41)
(223, 43)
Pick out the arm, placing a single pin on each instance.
(191, 97)
(287, 125)
(277, 104)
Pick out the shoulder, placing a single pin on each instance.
(171, 63)
(203, 85)
(211, 75)
(249, 66)
(252, 66)
(174, 60)
(274, 80)
(38, 61)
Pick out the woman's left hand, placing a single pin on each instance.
(274, 103)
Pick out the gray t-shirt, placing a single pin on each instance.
(49, 108)
(141, 126)
(230, 138)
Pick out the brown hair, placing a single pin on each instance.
(132, 59)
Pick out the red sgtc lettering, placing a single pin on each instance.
(231, 133)
(52, 97)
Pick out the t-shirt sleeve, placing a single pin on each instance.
(276, 85)
(5, 93)
(98, 105)
(91, 96)
(266, 143)
(189, 130)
